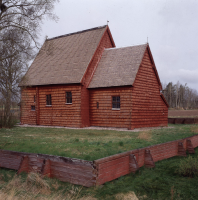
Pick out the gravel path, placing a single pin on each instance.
(98, 128)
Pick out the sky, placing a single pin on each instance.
(171, 27)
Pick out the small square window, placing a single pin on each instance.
(116, 102)
(32, 107)
(48, 100)
(68, 97)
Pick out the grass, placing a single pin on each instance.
(162, 182)
(86, 143)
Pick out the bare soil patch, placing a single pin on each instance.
(145, 135)
(183, 113)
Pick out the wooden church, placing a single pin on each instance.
(81, 79)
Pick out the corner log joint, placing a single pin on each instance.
(181, 150)
(189, 147)
(148, 159)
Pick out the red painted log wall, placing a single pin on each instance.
(89, 173)
(148, 108)
(27, 100)
(104, 43)
(59, 113)
(104, 115)
(112, 167)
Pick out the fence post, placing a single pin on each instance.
(181, 150)
(189, 146)
(24, 166)
(148, 159)
(133, 165)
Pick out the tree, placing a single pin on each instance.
(26, 17)
(180, 96)
(11, 71)
(20, 24)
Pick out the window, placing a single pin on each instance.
(34, 98)
(68, 97)
(97, 105)
(32, 107)
(48, 100)
(116, 102)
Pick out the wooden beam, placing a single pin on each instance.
(148, 159)
(37, 107)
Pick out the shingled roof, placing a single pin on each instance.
(64, 59)
(118, 66)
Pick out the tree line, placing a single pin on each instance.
(180, 96)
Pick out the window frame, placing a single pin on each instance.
(116, 102)
(48, 101)
(33, 106)
(68, 99)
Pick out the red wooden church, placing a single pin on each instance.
(81, 79)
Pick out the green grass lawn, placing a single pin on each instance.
(87, 144)
(162, 182)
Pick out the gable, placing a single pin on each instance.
(64, 59)
(147, 76)
(154, 67)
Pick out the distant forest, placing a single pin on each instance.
(180, 96)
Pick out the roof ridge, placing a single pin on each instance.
(126, 46)
(91, 29)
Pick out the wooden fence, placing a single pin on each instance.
(183, 120)
(91, 173)
(71, 170)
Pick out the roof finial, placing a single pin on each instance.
(147, 40)
(107, 22)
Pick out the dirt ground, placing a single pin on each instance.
(183, 113)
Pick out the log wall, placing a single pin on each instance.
(183, 120)
(27, 100)
(104, 43)
(148, 107)
(113, 167)
(105, 115)
(91, 173)
(59, 113)
(71, 170)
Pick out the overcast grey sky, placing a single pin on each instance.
(170, 25)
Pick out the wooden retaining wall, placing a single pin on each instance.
(113, 167)
(71, 170)
(91, 173)
(183, 120)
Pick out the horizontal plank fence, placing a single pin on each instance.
(91, 173)
(183, 120)
(76, 171)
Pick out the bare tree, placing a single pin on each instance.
(20, 25)
(25, 16)
(180, 96)
(12, 69)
